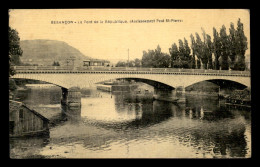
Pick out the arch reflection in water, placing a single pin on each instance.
(123, 112)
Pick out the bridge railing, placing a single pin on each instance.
(70, 68)
(42, 68)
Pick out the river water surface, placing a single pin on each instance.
(116, 126)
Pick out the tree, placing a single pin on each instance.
(147, 59)
(198, 63)
(120, 64)
(15, 50)
(216, 48)
(182, 53)
(131, 63)
(56, 63)
(232, 46)
(241, 46)
(224, 49)
(199, 49)
(137, 62)
(192, 63)
(204, 50)
(155, 58)
(209, 51)
(174, 52)
(164, 61)
(187, 57)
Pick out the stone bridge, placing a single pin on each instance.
(173, 78)
(159, 78)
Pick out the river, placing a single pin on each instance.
(114, 126)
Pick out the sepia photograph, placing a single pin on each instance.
(129, 83)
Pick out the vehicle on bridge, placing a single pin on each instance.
(96, 63)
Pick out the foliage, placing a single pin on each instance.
(12, 84)
(198, 64)
(132, 63)
(121, 64)
(232, 45)
(193, 63)
(224, 49)
(15, 50)
(180, 57)
(216, 48)
(56, 63)
(241, 46)
(137, 63)
(186, 55)
(204, 56)
(199, 48)
(174, 52)
(209, 51)
(229, 50)
(155, 59)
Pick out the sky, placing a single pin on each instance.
(111, 41)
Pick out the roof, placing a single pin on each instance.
(16, 105)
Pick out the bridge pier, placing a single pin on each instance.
(64, 96)
(180, 94)
(170, 95)
(164, 92)
(71, 97)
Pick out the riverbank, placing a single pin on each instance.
(239, 98)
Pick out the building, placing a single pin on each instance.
(95, 62)
(24, 121)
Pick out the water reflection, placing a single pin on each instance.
(27, 147)
(126, 114)
(117, 125)
(72, 114)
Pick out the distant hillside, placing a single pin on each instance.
(45, 52)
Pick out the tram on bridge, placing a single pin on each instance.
(96, 63)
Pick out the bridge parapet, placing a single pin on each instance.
(88, 78)
(129, 70)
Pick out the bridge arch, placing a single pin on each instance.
(48, 80)
(154, 83)
(19, 78)
(224, 83)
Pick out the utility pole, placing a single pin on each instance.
(128, 56)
